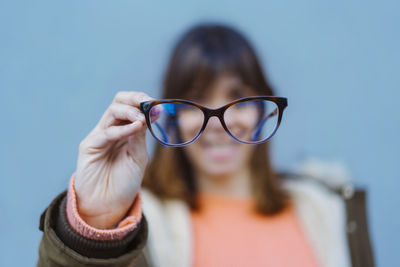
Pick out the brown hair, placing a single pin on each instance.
(203, 53)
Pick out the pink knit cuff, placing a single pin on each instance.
(84, 229)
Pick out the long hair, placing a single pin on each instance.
(200, 56)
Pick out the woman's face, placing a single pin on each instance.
(215, 153)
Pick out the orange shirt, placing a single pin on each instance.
(228, 232)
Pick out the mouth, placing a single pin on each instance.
(216, 151)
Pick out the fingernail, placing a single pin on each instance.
(155, 111)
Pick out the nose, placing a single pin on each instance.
(214, 124)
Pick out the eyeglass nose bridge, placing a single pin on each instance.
(219, 113)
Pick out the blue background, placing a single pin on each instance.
(61, 63)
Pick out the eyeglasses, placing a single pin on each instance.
(250, 120)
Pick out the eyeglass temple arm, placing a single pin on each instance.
(164, 135)
(262, 122)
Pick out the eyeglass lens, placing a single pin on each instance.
(249, 121)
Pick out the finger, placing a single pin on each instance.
(137, 147)
(132, 98)
(98, 138)
(118, 112)
(155, 113)
(122, 112)
(114, 133)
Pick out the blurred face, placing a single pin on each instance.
(215, 153)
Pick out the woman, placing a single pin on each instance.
(215, 201)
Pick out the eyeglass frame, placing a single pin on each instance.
(146, 106)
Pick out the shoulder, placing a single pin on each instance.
(324, 181)
(318, 191)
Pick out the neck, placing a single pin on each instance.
(235, 184)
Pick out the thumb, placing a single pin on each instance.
(137, 147)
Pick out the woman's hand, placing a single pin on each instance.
(111, 162)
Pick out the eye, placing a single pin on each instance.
(240, 105)
(245, 104)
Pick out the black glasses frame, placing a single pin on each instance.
(146, 106)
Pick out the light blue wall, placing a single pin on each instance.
(61, 62)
